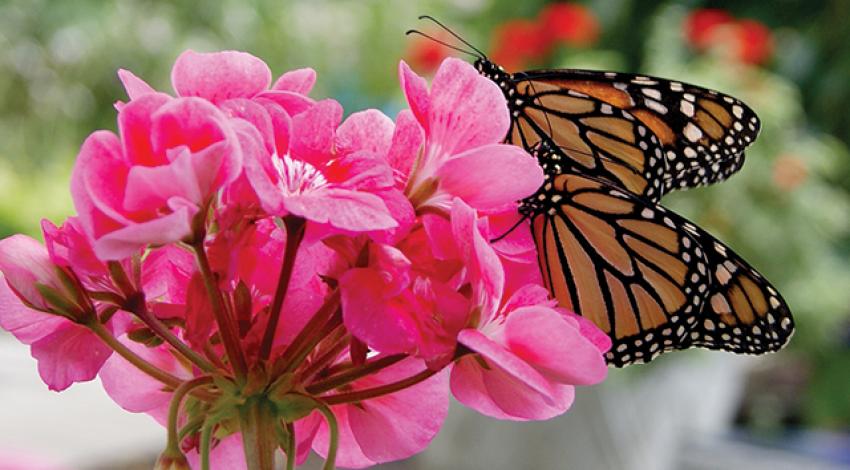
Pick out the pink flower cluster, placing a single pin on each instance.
(246, 265)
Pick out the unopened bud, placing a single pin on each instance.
(170, 460)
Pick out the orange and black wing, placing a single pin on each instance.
(702, 133)
(650, 279)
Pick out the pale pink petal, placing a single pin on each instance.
(349, 453)
(592, 332)
(467, 385)
(506, 360)
(467, 110)
(541, 337)
(136, 391)
(342, 208)
(126, 241)
(256, 114)
(529, 295)
(415, 89)
(166, 273)
(369, 130)
(26, 324)
(362, 170)
(515, 242)
(292, 103)
(313, 132)
(297, 81)
(229, 454)
(133, 85)
(68, 246)
(484, 269)
(382, 323)
(407, 140)
(24, 263)
(219, 76)
(70, 354)
(491, 176)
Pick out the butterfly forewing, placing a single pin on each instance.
(650, 279)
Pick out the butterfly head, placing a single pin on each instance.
(494, 72)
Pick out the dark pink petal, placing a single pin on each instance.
(342, 208)
(415, 89)
(369, 130)
(166, 273)
(496, 393)
(219, 76)
(70, 354)
(541, 337)
(515, 242)
(385, 324)
(512, 364)
(126, 241)
(281, 125)
(467, 110)
(527, 296)
(297, 81)
(256, 114)
(407, 140)
(135, 123)
(68, 246)
(491, 176)
(361, 170)
(187, 122)
(133, 85)
(401, 210)
(26, 324)
(292, 103)
(313, 132)
(440, 237)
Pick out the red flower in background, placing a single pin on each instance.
(517, 43)
(568, 23)
(747, 41)
(425, 54)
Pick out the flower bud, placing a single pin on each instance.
(172, 461)
(38, 282)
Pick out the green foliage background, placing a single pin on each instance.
(58, 84)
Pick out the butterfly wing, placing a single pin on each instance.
(703, 133)
(650, 279)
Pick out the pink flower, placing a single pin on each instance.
(387, 428)
(465, 118)
(330, 174)
(66, 352)
(146, 187)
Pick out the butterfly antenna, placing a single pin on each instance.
(450, 46)
(481, 55)
(513, 227)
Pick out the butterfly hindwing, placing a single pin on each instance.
(650, 279)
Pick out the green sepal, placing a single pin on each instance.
(294, 406)
(58, 304)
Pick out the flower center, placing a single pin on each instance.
(297, 176)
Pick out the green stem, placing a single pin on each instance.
(191, 427)
(256, 423)
(165, 333)
(226, 325)
(290, 447)
(174, 410)
(361, 395)
(295, 227)
(333, 428)
(308, 337)
(353, 374)
(206, 438)
(106, 336)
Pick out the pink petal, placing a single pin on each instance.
(126, 241)
(135, 123)
(256, 114)
(70, 354)
(362, 170)
(297, 81)
(407, 140)
(369, 130)
(98, 182)
(219, 76)
(415, 89)
(342, 208)
(188, 122)
(401, 210)
(24, 262)
(515, 242)
(491, 176)
(292, 103)
(541, 337)
(133, 85)
(592, 332)
(512, 364)
(68, 246)
(484, 269)
(166, 273)
(467, 110)
(440, 237)
(313, 132)
(229, 454)
(496, 393)
(26, 324)
(382, 323)
(134, 390)
(527, 296)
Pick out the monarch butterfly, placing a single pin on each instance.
(611, 145)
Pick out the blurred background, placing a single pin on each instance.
(787, 211)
